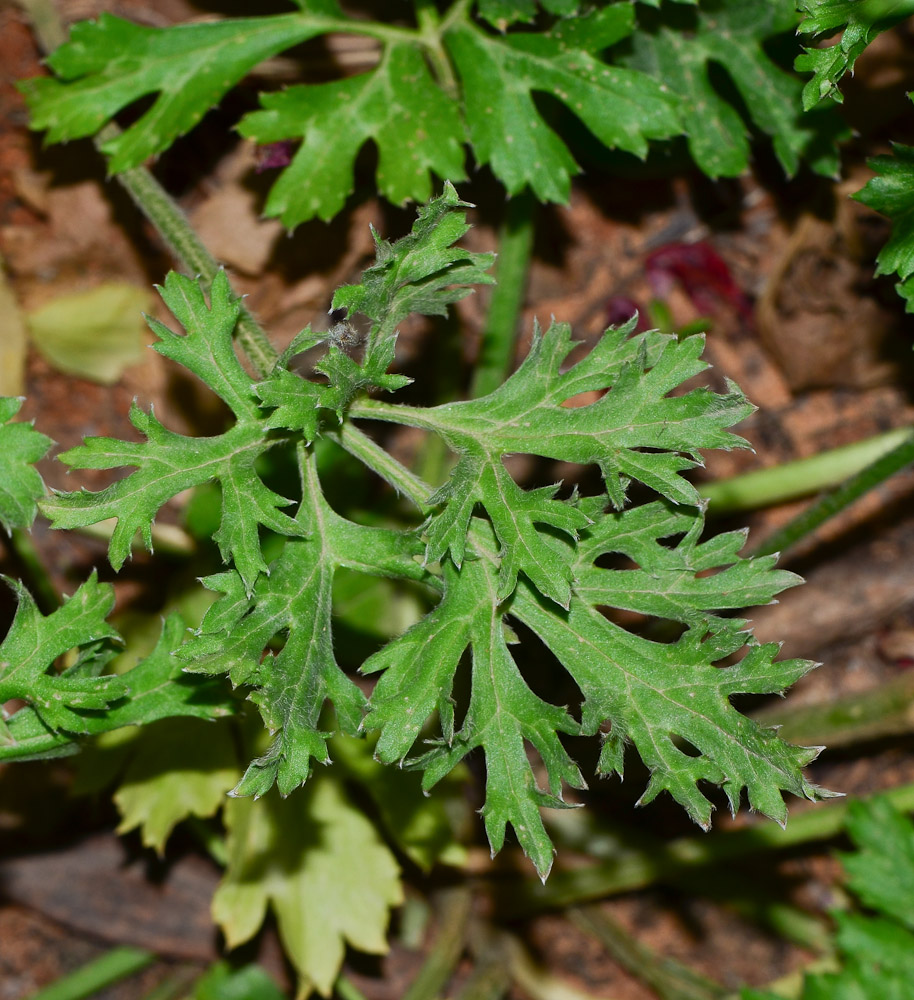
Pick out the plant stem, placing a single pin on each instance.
(456, 905)
(800, 478)
(669, 979)
(635, 869)
(515, 247)
(429, 22)
(360, 445)
(177, 233)
(115, 965)
(827, 506)
(159, 207)
(40, 584)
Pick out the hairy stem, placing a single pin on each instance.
(177, 233)
(804, 524)
(429, 21)
(360, 445)
(515, 247)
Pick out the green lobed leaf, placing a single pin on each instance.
(652, 694)
(93, 334)
(891, 192)
(528, 415)
(422, 273)
(622, 107)
(156, 688)
(175, 771)
(20, 484)
(295, 602)
(168, 463)
(416, 128)
(110, 63)
(861, 21)
(667, 580)
(35, 641)
(679, 47)
(319, 864)
(503, 712)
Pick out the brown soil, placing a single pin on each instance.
(826, 356)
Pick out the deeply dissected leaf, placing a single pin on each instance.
(110, 63)
(861, 21)
(35, 641)
(295, 600)
(156, 688)
(417, 130)
(422, 273)
(651, 693)
(319, 864)
(680, 46)
(20, 484)
(891, 192)
(168, 463)
(529, 414)
(623, 108)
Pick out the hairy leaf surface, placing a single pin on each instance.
(635, 430)
(156, 688)
(168, 463)
(295, 601)
(35, 641)
(651, 693)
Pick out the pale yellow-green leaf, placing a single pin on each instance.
(320, 864)
(180, 768)
(94, 334)
(12, 341)
(422, 824)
